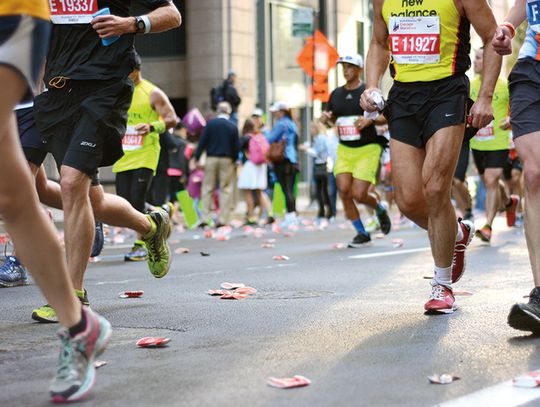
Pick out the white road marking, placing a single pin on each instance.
(500, 395)
(391, 253)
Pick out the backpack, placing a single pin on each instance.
(257, 149)
(217, 95)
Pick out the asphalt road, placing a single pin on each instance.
(351, 320)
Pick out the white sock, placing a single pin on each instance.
(459, 235)
(443, 276)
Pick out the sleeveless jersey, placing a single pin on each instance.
(428, 39)
(492, 137)
(530, 47)
(34, 8)
(140, 151)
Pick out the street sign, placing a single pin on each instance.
(302, 25)
(317, 58)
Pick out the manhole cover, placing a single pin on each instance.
(290, 295)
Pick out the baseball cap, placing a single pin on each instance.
(257, 112)
(354, 59)
(277, 106)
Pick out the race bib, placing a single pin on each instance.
(347, 129)
(132, 140)
(415, 40)
(486, 133)
(72, 11)
(533, 14)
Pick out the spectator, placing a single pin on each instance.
(285, 129)
(253, 177)
(220, 142)
(227, 92)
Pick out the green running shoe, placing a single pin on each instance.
(159, 253)
(47, 314)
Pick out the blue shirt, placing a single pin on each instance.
(530, 44)
(285, 128)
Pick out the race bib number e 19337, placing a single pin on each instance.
(72, 11)
(347, 129)
(415, 40)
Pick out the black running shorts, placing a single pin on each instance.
(83, 122)
(463, 161)
(512, 164)
(489, 159)
(417, 110)
(524, 85)
(35, 150)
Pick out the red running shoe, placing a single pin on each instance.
(484, 234)
(441, 300)
(511, 211)
(458, 262)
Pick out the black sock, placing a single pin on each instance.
(79, 327)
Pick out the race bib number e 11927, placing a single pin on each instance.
(72, 11)
(347, 130)
(132, 140)
(415, 40)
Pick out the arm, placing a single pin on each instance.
(377, 59)
(162, 105)
(163, 18)
(202, 144)
(277, 133)
(483, 21)
(502, 41)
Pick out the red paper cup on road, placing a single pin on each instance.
(233, 296)
(151, 342)
(217, 292)
(131, 294)
(245, 290)
(231, 286)
(339, 246)
(281, 258)
(529, 380)
(268, 245)
(288, 382)
(181, 250)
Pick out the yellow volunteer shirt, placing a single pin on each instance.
(34, 8)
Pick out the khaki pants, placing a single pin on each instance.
(218, 171)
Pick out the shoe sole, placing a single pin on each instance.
(522, 320)
(37, 318)
(358, 245)
(135, 260)
(11, 285)
(482, 237)
(441, 311)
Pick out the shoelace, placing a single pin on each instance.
(437, 292)
(66, 356)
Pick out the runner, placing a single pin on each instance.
(149, 115)
(513, 175)
(460, 191)
(359, 150)
(82, 117)
(24, 32)
(524, 85)
(426, 114)
(490, 149)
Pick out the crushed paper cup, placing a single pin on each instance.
(99, 363)
(151, 342)
(529, 380)
(288, 234)
(208, 234)
(181, 250)
(217, 292)
(248, 230)
(268, 245)
(398, 243)
(231, 286)
(288, 382)
(222, 238)
(276, 228)
(131, 294)
(339, 246)
(281, 258)
(444, 378)
(245, 290)
(204, 254)
(233, 296)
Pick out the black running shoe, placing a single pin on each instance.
(98, 240)
(526, 317)
(360, 239)
(384, 221)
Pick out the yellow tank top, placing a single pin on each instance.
(428, 39)
(34, 8)
(140, 151)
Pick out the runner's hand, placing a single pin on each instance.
(502, 41)
(111, 26)
(367, 102)
(363, 122)
(142, 129)
(504, 124)
(326, 118)
(481, 113)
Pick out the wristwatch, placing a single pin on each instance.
(141, 25)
